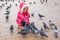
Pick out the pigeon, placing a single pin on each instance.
(34, 2)
(24, 31)
(29, 27)
(33, 28)
(13, 0)
(6, 3)
(15, 4)
(1, 6)
(32, 24)
(7, 17)
(42, 33)
(19, 1)
(56, 32)
(45, 0)
(11, 28)
(51, 24)
(30, 3)
(7, 13)
(56, 4)
(32, 15)
(40, 16)
(8, 7)
(45, 26)
(41, 1)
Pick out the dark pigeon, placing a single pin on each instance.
(41, 16)
(8, 7)
(1, 6)
(24, 30)
(7, 18)
(6, 3)
(15, 4)
(42, 1)
(32, 15)
(42, 33)
(7, 13)
(34, 2)
(45, 26)
(11, 28)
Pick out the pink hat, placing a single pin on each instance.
(22, 5)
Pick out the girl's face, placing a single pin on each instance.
(25, 9)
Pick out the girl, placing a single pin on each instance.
(23, 15)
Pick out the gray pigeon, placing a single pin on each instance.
(30, 3)
(41, 16)
(51, 23)
(45, 26)
(32, 24)
(32, 28)
(36, 31)
(24, 31)
(56, 32)
(42, 33)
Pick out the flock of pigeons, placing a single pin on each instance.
(35, 30)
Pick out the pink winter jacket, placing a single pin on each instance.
(21, 16)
